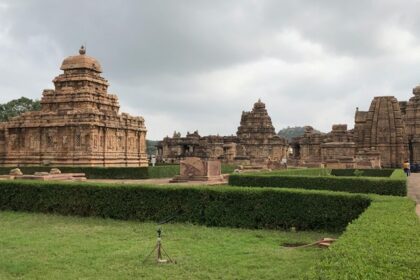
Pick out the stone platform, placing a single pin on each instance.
(200, 170)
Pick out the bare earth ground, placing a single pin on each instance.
(414, 190)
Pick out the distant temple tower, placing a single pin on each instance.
(411, 114)
(255, 143)
(383, 129)
(79, 124)
(257, 138)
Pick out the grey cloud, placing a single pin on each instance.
(187, 65)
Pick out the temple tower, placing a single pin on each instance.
(411, 115)
(382, 128)
(257, 138)
(79, 124)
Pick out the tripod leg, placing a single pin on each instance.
(148, 256)
(167, 254)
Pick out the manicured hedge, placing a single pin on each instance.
(228, 168)
(299, 172)
(383, 186)
(166, 171)
(384, 243)
(362, 172)
(211, 206)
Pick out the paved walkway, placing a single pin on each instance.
(414, 190)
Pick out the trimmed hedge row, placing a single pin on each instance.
(91, 172)
(210, 206)
(383, 186)
(300, 172)
(384, 243)
(362, 172)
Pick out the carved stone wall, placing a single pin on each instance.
(411, 115)
(379, 139)
(382, 128)
(79, 124)
(255, 142)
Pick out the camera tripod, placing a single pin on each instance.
(160, 251)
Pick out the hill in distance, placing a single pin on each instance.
(291, 132)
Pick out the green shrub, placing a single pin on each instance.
(358, 173)
(211, 206)
(362, 172)
(300, 172)
(94, 172)
(398, 174)
(228, 168)
(164, 171)
(383, 186)
(384, 243)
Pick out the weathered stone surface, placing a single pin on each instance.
(15, 172)
(255, 143)
(79, 124)
(197, 169)
(55, 171)
(379, 139)
(411, 116)
(382, 129)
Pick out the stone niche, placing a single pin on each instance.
(197, 169)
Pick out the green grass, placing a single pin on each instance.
(39, 246)
(383, 243)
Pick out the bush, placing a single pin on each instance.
(384, 243)
(164, 171)
(398, 174)
(362, 172)
(94, 172)
(383, 186)
(300, 172)
(228, 168)
(211, 206)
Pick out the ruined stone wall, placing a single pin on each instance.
(379, 138)
(255, 142)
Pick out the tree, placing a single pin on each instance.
(290, 132)
(18, 106)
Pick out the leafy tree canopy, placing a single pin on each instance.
(18, 106)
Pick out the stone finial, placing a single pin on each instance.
(82, 50)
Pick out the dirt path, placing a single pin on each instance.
(414, 190)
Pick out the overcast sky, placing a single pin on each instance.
(187, 65)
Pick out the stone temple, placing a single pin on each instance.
(384, 136)
(79, 124)
(256, 143)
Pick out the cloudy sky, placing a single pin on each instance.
(187, 65)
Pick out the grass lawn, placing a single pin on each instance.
(38, 246)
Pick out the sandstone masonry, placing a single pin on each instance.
(256, 143)
(79, 124)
